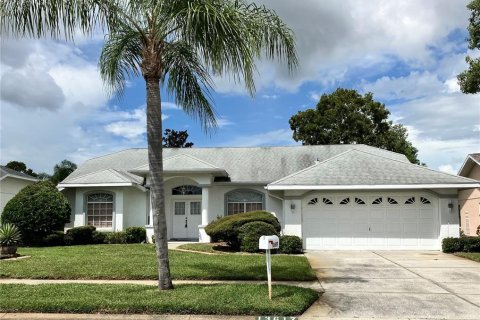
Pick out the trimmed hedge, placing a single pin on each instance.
(119, 237)
(226, 228)
(249, 233)
(54, 239)
(462, 244)
(290, 245)
(99, 237)
(136, 234)
(79, 235)
(37, 210)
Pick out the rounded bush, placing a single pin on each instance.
(79, 235)
(226, 228)
(249, 233)
(465, 244)
(136, 234)
(99, 237)
(54, 239)
(116, 237)
(290, 245)
(37, 210)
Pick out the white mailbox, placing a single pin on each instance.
(268, 242)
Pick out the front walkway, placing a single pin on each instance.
(395, 285)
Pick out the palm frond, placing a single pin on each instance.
(229, 35)
(120, 57)
(189, 82)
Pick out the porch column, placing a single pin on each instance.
(203, 236)
(149, 226)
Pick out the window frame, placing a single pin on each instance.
(86, 214)
(244, 203)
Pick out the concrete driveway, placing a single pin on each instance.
(395, 285)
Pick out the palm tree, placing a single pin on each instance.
(177, 44)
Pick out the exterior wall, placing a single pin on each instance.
(70, 195)
(469, 201)
(474, 173)
(449, 217)
(9, 187)
(135, 208)
(129, 207)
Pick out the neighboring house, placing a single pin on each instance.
(334, 197)
(11, 182)
(469, 199)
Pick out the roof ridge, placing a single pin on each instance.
(87, 174)
(385, 150)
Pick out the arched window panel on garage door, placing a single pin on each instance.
(359, 201)
(313, 202)
(392, 200)
(327, 201)
(377, 200)
(425, 200)
(344, 201)
(238, 201)
(410, 200)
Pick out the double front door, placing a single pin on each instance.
(187, 216)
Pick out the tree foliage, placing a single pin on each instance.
(176, 44)
(37, 210)
(62, 170)
(347, 117)
(20, 167)
(469, 80)
(176, 139)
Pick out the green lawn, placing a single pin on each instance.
(205, 247)
(138, 261)
(475, 256)
(227, 299)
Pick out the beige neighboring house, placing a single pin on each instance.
(11, 182)
(469, 199)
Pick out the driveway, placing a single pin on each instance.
(395, 285)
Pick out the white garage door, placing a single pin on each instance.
(370, 222)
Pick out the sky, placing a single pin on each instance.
(54, 105)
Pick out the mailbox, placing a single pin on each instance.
(268, 242)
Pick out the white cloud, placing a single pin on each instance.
(270, 96)
(447, 168)
(134, 127)
(223, 122)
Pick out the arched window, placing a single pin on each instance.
(186, 190)
(238, 201)
(100, 210)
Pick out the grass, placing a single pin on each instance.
(205, 247)
(226, 299)
(475, 256)
(138, 261)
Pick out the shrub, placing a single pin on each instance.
(478, 231)
(465, 244)
(37, 210)
(54, 239)
(136, 234)
(249, 233)
(290, 245)
(79, 235)
(226, 228)
(99, 237)
(10, 235)
(116, 237)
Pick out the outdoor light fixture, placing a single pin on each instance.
(292, 205)
(450, 205)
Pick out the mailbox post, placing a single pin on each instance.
(267, 243)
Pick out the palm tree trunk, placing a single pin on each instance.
(155, 161)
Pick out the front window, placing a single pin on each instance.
(100, 210)
(243, 201)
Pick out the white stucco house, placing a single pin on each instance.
(334, 197)
(11, 182)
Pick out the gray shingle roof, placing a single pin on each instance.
(357, 167)
(256, 165)
(106, 176)
(7, 171)
(182, 162)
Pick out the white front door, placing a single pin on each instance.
(187, 215)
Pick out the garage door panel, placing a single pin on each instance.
(383, 225)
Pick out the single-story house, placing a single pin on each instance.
(469, 199)
(11, 182)
(333, 196)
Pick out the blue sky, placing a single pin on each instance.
(407, 53)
